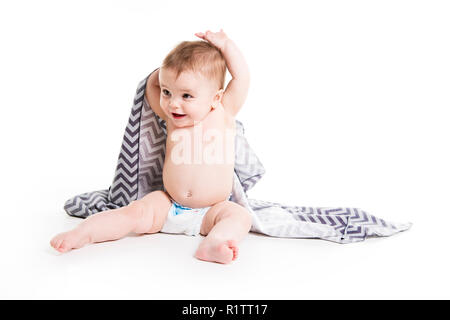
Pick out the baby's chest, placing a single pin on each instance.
(205, 143)
(204, 134)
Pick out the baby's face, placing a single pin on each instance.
(188, 99)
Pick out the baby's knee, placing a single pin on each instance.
(142, 216)
(247, 218)
(238, 213)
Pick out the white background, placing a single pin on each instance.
(348, 106)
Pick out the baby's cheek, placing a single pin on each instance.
(198, 117)
(164, 107)
(199, 113)
(192, 112)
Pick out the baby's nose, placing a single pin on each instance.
(174, 104)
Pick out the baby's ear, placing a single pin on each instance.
(217, 99)
(219, 95)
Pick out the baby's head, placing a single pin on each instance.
(191, 77)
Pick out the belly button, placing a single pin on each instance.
(189, 194)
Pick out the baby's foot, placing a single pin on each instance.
(66, 241)
(222, 252)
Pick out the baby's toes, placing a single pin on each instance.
(232, 244)
(56, 241)
(235, 252)
(63, 246)
(62, 242)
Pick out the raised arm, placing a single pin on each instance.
(237, 89)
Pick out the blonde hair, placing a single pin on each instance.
(197, 56)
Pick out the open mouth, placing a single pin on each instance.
(178, 115)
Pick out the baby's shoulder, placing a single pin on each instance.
(221, 117)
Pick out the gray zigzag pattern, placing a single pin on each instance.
(352, 224)
(124, 188)
(151, 152)
(247, 165)
(89, 203)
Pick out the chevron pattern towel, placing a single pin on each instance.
(139, 171)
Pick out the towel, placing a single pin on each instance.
(139, 171)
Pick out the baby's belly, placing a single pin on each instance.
(198, 186)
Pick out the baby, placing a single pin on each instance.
(187, 93)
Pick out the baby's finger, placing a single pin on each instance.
(200, 35)
(209, 35)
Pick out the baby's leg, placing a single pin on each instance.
(146, 215)
(225, 225)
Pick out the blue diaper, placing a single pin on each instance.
(185, 220)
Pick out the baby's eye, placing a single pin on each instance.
(187, 96)
(165, 92)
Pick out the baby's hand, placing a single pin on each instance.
(217, 39)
